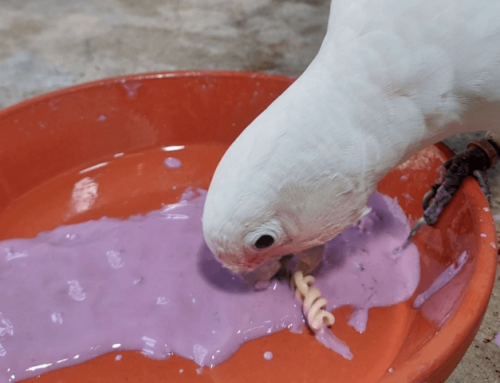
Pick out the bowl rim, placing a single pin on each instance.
(141, 77)
(472, 307)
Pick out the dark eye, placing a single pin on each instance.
(264, 242)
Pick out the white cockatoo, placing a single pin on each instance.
(391, 77)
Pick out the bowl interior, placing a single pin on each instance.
(115, 132)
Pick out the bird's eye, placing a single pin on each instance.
(264, 241)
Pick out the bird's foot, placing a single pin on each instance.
(474, 162)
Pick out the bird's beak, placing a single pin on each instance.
(260, 277)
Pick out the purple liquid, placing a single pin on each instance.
(361, 268)
(150, 283)
(173, 163)
(442, 280)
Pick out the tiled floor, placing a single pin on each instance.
(49, 44)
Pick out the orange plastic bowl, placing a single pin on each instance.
(48, 140)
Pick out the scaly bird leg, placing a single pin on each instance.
(474, 162)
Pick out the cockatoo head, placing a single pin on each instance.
(285, 185)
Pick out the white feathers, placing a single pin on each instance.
(391, 77)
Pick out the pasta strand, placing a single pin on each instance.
(313, 304)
